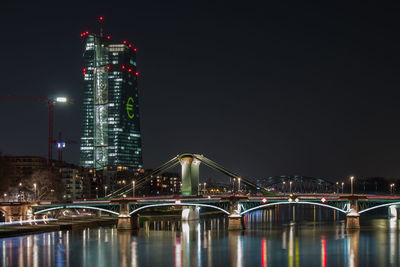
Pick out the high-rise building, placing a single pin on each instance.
(111, 123)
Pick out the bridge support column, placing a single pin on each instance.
(98, 213)
(393, 211)
(353, 217)
(128, 222)
(190, 175)
(235, 222)
(353, 220)
(125, 221)
(235, 219)
(190, 213)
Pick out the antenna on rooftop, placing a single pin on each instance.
(101, 25)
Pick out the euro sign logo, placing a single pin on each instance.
(129, 107)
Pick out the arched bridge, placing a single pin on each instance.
(235, 206)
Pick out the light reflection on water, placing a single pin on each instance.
(266, 242)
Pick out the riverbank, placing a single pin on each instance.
(60, 225)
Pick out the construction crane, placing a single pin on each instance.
(61, 145)
(50, 102)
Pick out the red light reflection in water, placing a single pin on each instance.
(178, 252)
(264, 252)
(323, 252)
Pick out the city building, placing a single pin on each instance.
(111, 123)
(92, 183)
(296, 183)
(164, 184)
(72, 181)
(24, 166)
(120, 176)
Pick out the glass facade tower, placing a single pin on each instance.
(111, 123)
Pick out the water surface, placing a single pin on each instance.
(267, 241)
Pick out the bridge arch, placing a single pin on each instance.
(379, 206)
(177, 204)
(285, 203)
(75, 207)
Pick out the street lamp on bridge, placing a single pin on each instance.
(290, 186)
(342, 186)
(34, 185)
(133, 188)
(105, 190)
(20, 192)
(391, 188)
(351, 179)
(239, 185)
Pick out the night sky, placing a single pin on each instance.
(279, 88)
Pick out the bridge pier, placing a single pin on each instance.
(190, 213)
(98, 213)
(235, 219)
(353, 220)
(236, 222)
(126, 221)
(392, 211)
(353, 217)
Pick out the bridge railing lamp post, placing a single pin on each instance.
(34, 185)
(352, 179)
(20, 192)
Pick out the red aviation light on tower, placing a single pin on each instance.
(134, 49)
(129, 70)
(84, 71)
(101, 25)
(108, 67)
(108, 37)
(136, 73)
(124, 42)
(129, 45)
(123, 67)
(84, 33)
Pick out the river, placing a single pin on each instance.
(315, 239)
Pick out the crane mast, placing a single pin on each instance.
(50, 102)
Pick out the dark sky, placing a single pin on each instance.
(263, 89)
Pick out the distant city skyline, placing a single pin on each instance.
(261, 88)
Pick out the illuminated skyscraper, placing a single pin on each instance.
(111, 123)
